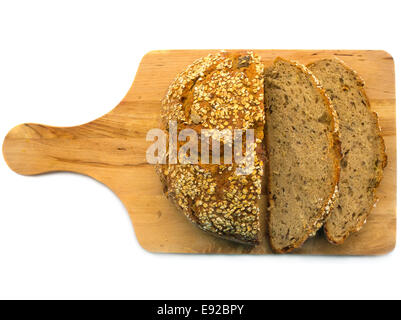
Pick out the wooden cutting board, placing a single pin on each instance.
(112, 150)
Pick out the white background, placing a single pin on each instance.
(68, 62)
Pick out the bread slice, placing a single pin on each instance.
(362, 146)
(303, 154)
(220, 91)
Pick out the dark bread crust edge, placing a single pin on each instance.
(336, 148)
(361, 86)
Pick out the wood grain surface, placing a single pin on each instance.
(112, 150)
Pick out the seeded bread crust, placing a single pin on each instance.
(220, 91)
(335, 145)
(360, 83)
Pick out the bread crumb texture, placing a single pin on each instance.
(303, 152)
(363, 148)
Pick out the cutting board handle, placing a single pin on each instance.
(31, 149)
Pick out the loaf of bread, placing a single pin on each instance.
(302, 149)
(220, 91)
(303, 154)
(362, 145)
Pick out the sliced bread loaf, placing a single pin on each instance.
(303, 154)
(362, 145)
(220, 91)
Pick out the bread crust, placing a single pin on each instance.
(361, 86)
(336, 155)
(193, 220)
(185, 104)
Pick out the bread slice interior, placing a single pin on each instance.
(303, 154)
(362, 147)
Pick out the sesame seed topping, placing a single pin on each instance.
(222, 91)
